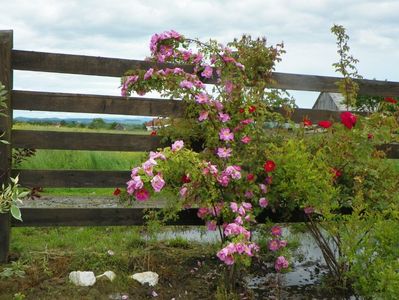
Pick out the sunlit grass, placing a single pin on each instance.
(81, 160)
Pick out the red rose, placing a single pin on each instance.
(348, 119)
(325, 124)
(117, 192)
(307, 122)
(250, 177)
(153, 132)
(269, 166)
(337, 173)
(186, 178)
(370, 136)
(241, 110)
(390, 100)
(252, 108)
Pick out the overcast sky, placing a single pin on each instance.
(123, 29)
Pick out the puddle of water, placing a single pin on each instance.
(302, 282)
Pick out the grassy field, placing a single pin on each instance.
(27, 126)
(79, 160)
(82, 160)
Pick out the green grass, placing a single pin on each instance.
(79, 192)
(67, 240)
(81, 160)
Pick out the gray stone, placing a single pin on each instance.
(146, 277)
(82, 278)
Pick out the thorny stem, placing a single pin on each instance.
(219, 228)
(325, 248)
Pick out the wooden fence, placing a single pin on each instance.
(11, 59)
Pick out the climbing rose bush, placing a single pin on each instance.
(229, 179)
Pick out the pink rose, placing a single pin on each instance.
(134, 184)
(148, 74)
(207, 73)
(263, 202)
(223, 180)
(183, 192)
(142, 195)
(281, 263)
(226, 135)
(308, 210)
(273, 245)
(211, 225)
(245, 139)
(234, 207)
(228, 87)
(185, 84)
(282, 243)
(246, 205)
(224, 152)
(202, 98)
(218, 105)
(135, 171)
(178, 145)
(203, 115)
(157, 183)
(238, 221)
(202, 212)
(276, 230)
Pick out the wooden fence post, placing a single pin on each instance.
(6, 77)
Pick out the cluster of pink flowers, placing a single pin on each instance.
(235, 229)
(213, 211)
(128, 81)
(275, 244)
(281, 263)
(209, 168)
(135, 186)
(163, 52)
(241, 209)
(227, 253)
(231, 172)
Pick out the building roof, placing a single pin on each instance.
(330, 101)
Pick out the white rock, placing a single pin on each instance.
(108, 274)
(82, 278)
(146, 277)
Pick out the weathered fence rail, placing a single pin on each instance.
(11, 59)
(43, 217)
(115, 67)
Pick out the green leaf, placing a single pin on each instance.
(16, 212)
(23, 194)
